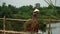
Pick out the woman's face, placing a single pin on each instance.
(37, 12)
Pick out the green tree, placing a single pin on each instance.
(5, 11)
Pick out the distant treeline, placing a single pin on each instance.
(25, 12)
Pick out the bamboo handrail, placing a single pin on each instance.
(27, 19)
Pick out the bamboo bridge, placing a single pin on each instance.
(10, 19)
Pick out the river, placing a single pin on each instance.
(55, 28)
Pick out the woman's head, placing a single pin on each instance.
(36, 11)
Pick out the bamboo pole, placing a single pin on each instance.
(55, 2)
(4, 20)
(10, 19)
(49, 27)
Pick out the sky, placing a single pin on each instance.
(19, 3)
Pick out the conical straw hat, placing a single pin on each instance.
(36, 10)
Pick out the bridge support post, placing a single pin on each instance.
(49, 24)
(4, 20)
